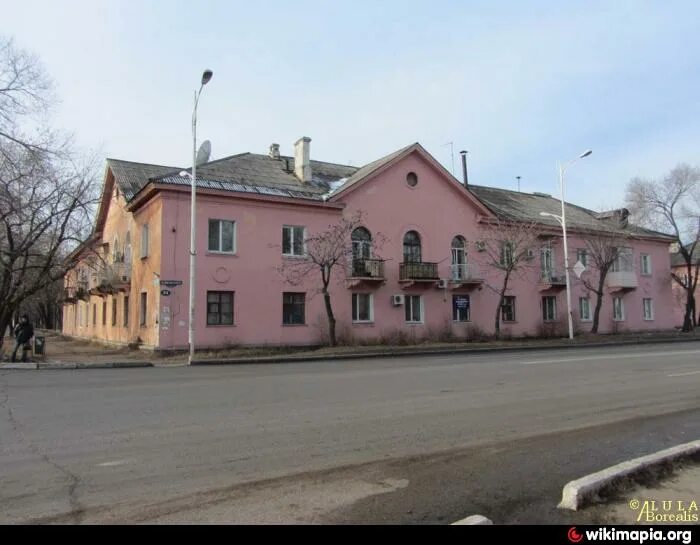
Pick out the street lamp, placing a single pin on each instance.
(206, 76)
(562, 221)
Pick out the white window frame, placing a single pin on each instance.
(645, 271)
(408, 302)
(221, 234)
(588, 316)
(583, 251)
(469, 308)
(355, 303)
(545, 307)
(621, 317)
(145, 242)
(292, 229)
(515, 310)
(650, 317)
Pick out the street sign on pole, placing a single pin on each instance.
(579, 268)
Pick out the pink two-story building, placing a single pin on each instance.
(428, 279)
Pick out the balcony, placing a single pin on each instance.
(465, 275)
(418, 272)
(552, 280)
(81, 292)
(111, 278)
(622, 280)
(365, 271)
(69, 294)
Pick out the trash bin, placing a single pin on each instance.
(39, 345)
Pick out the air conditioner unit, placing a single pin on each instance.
(480, 245)
(530, 255)
(397, 300)
(442, 283)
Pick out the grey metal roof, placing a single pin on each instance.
(517, 206)
(131, 177)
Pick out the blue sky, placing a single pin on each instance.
(521, 85)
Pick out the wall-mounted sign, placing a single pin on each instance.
(165, 292)
(171, 283)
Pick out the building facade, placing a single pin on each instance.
(418, 265)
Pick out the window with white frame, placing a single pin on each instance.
(618, 309)
(144, 241)
(549, 308)
(508, 309)
(645, 264)
(222, 236)
(648, 308)
(582, 256)
(623, 263)
(584, 308)
(460, 308)
(293, 240)
(362, 310)
(414, 309)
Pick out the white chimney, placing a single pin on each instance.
(274, 151)
(302, 159)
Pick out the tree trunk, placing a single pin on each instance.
(598, 305)
(501, 297)
(331, 318)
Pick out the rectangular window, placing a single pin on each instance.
(582, 256)
(293, 240)
(623, 263)
(362, 310)
(144, 241)
(648, 307)
(293, 308)
(547, 262)
(219, 308)
(460, 308)
(222, 236)
(618, 309)
(645, 264)
(94, 314)
(126, 311)
(143, 308)
(104, 312)
(80, 314)
(549, 308)
(414, 309)
(508, 309)
(114, 311)
(507, 254)
(584, 309)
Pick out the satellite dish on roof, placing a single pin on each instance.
(204, 153)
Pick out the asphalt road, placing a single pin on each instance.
(425, 439)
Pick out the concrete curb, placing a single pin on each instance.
(576, 493)
(473, 521)
(105, 365)
(430, 352)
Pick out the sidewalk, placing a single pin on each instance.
(673, 500)
(64, 353)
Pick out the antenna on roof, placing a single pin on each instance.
(452, 154)
(204, 153)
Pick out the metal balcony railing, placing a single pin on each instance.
(622, 279)
(418, 271)
(550, 276)
(464, 272)
(367, 268)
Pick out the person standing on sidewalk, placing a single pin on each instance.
(23, 334)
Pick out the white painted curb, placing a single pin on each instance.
(473, 520)
(575, 493)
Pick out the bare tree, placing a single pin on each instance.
(327, 253)
(509, 249)
(47, 195)
(603, 249)
(673, 204)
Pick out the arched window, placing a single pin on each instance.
(459, 258)
(127, 248)
(411, 248)
(361, 250)
(116, 254)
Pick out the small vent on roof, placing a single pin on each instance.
(539, 194)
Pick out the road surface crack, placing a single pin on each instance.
(77, 510)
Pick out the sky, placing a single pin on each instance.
(520, 85)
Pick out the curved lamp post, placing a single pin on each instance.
(562, 221)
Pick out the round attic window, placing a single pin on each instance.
(412, 179)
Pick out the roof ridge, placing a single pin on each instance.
(139, 163)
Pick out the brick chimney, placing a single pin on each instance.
(302, 159)
(274, 151)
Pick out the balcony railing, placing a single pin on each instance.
(622, 280)
(465, 273)
(367, 269)
(418, 271)
(553, 278)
